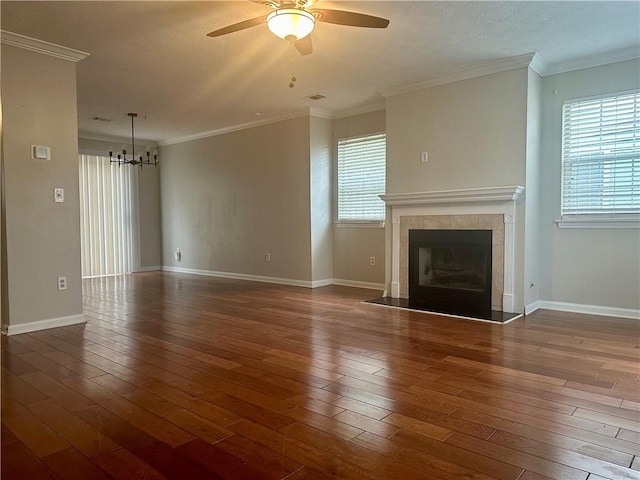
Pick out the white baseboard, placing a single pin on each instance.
(44, 324)
(354, 283)
(244, 276)
(152, 268)
(590, 309)
(322, 283)
(532, 307)
(281, 281)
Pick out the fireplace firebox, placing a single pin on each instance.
(450, 270)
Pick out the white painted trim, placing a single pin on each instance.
(347, 224)
(475, 201)
(591, 61)
(40, 46)
(599, 222)
(320, 113)
(532, 307)
(591, 309)
(499, 66)
(357, 284)
(152, 268)
(115, 139)
(484, 194)
(322, 283)
(352, 112)
(243, 276)
(235, 128)
(44, 324)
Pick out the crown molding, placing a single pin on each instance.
(630, 53)
(113, 138)
(320, 113)
(40, 46)
(351, 112)
(475, 72)
(234, 128)
(538, 65)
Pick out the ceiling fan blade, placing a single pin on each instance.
(304, 45)
(237, 26)
(353, 19)
(268, 3)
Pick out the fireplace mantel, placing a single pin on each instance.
(489, 194)
(473, 201)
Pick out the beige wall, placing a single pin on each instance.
(321, 211)
(148, 181)
(227, 200)
(583, 266)
(475, 134)
(353, 245)
(42, 237)
(473, 130)
(532, 190)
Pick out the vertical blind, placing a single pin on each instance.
(601, 155)
(105, 217)
(361, 178)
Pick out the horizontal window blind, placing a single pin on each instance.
(361, 178)
(601, 155)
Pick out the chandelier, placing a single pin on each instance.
(136, 158)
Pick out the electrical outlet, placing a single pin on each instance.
(62, 283)
(267, 257)
(372, 261)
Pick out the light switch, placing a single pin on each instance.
(40, 152)
(424, 157)
(58, 195)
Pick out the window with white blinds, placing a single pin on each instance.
(361, 178)
(601, 156)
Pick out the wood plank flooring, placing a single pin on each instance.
(186, 377)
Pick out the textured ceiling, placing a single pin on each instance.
(154, 58)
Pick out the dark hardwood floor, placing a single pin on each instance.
(187, 377)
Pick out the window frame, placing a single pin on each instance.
(591, 220)
(357, 223)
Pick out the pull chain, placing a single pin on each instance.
(292, 59)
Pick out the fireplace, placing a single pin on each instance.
(450, 270)
(485, 208)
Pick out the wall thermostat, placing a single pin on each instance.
(39, 152)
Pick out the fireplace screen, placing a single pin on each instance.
(450, 269)
(460, 267)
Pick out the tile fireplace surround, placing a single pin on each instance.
(471, 209)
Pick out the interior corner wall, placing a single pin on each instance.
(532, 190)
(475, 134)
(321, 212)
(148, 200)
(229, 199)
(353, 246)
(39, 107)
(584, 266)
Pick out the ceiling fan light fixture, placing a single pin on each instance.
(291, 23)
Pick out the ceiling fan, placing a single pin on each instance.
(293, 20)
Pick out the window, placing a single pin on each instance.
(601, 156)
(106, 229)
(361, 178)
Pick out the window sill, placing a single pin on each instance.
(360, 224)
(600, 222)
